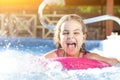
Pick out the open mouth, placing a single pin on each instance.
(71, 45)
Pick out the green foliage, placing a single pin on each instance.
(89, 9)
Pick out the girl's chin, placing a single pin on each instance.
(71, 50)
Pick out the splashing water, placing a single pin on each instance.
(22, 64)
(16, 66)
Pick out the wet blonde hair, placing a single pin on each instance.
(61, 21)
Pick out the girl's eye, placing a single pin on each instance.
(76, 32)
(64, 33)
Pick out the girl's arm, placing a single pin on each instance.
(111, 61)
(50, 54)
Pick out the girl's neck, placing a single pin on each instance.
(79, 54)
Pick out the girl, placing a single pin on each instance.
(70, 36)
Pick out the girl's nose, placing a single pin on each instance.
(70, 36)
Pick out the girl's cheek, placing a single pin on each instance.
(62, 41)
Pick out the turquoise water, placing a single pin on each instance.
(21, 59)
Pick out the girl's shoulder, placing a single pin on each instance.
(92, 55)
(51, 54)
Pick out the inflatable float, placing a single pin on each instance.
(80, 63)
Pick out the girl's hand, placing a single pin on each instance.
(118, 59)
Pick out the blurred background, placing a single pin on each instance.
(20, 17)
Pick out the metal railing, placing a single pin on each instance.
(26, 24)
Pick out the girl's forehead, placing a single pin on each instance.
(72, 24)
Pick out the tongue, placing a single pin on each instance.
(71, 49)
(71, 46)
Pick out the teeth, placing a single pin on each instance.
(72, 45)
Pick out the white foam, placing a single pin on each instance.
(15, 65)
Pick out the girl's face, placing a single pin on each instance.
(71, 37)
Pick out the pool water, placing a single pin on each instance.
(21, 59)
(28, 44)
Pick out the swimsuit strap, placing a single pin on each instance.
(57, 53)
(84, 53)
